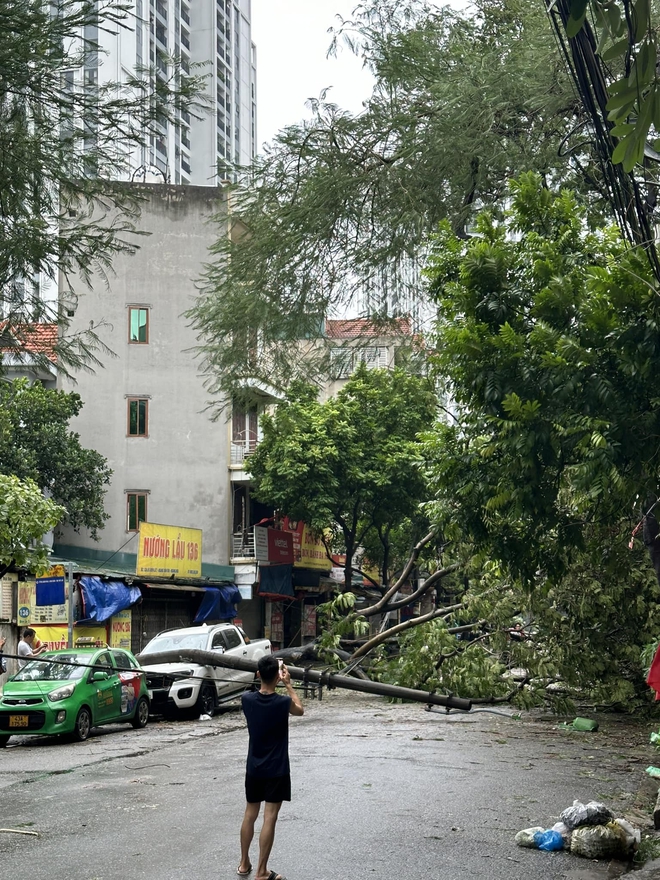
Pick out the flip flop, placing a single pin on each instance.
(244, 873)
(275, 876)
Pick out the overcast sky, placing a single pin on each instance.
(292, 41)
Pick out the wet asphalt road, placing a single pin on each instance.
(379, 791)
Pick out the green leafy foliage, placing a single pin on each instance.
(627, 43)
(65, 144)
(552, 360)
(549, 345)
(338, 621)
(342, 203)
(36, 444)
(25, 516)
(350, 464)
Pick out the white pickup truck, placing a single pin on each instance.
(185, 687)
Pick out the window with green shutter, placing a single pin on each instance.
(138, 417)
(136, 510)
(138, 325)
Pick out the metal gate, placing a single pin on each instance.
(155, 614)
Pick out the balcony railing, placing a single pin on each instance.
(242, 545)
(240, 449)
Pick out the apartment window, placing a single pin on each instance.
(138, 417)
(245, 426)
(161, 33)
(138, 325)
(374, 358)
(341, 362)
(136, 510)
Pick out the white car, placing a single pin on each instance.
(187, 688)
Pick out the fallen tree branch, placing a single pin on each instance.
(310, 653)
(403, 577)
(402, 627)
(506, 699)
(383, 605)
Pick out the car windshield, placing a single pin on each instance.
(55, 667)
(174, 642)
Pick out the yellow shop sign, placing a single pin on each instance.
(169, 550)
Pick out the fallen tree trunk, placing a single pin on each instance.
(311, 676)
(309, 654)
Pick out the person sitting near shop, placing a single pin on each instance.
(27, 648)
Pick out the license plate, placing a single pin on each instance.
(18, 720)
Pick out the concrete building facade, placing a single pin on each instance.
(145, 410)
(213, 39)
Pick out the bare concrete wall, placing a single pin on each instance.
(183, 462)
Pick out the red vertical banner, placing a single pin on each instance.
(276, 622)
(309, 621)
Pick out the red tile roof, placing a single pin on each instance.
(34, 338)
(356, 328)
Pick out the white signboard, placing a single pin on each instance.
(261, 544)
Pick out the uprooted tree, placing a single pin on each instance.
(547, 342)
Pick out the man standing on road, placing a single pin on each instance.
(267, 776)
(27, 647)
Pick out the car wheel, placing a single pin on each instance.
(206, 701)
(3, 741)
(141, 714)
(83, 725)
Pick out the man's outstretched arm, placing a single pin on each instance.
(296, 707)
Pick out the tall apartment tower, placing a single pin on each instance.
(214, 34)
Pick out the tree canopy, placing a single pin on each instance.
(545, 482)
(37, 444)
(548, 341)
(25, 516)
(65, 142)
(342, 205)
(349, 464)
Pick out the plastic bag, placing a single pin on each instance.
(579, 814)
(549, 841)
(565, 832)
(633, 835)
(526, 836)
(600, 842)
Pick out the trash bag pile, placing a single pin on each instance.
(588, 830)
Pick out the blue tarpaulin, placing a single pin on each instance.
(275, 582)
(218, 603)
(102, 599)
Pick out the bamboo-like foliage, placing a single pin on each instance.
(343, 204)
(64, 145)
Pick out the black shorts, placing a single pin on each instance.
(274, 790)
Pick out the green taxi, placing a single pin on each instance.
(72, 690)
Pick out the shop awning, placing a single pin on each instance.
(181, 588)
